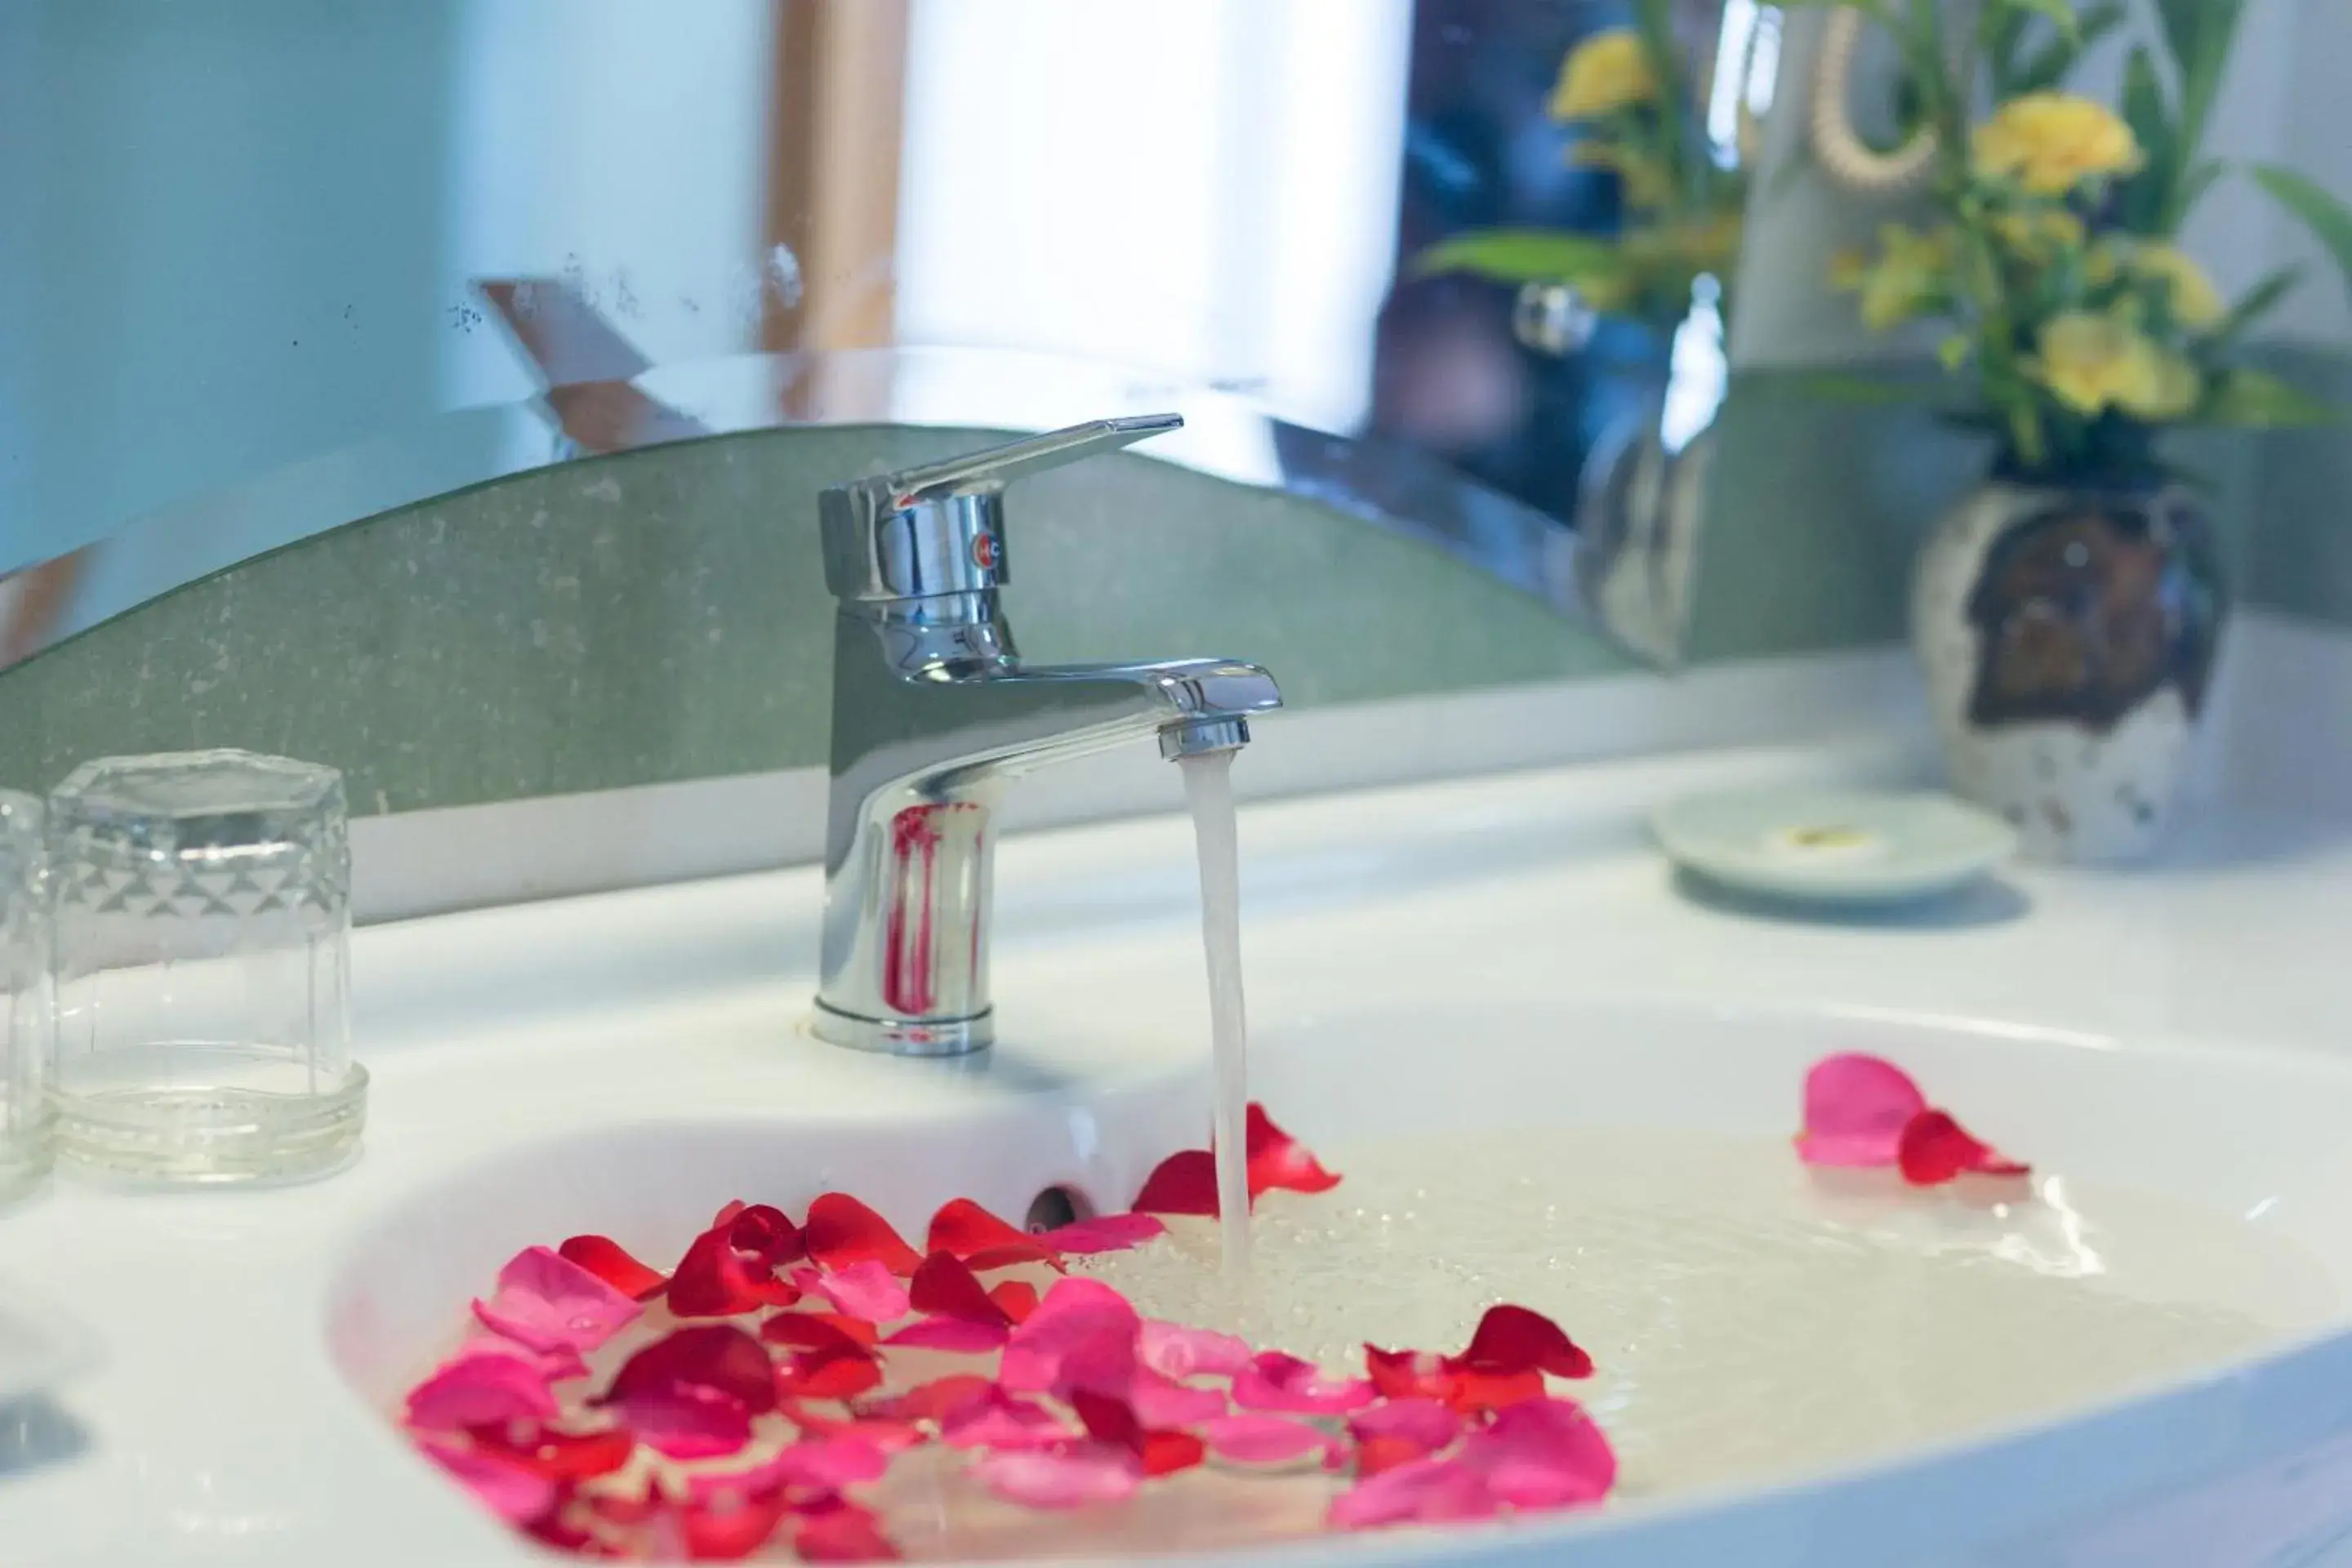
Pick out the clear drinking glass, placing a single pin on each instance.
(25, 1114)
(201, 921)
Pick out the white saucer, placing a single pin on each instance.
(1827, 846)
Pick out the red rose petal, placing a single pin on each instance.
(715, 1356)
(764, 1232)
(1473, 1393)
(556, 1454)
(867, 1291)
(1108, 1419)
(611, 1263)
(952, 1336)
(547, 1302)
(820, 1333)
(688, 1422)
(1381, 1452)
(967, 1231)
(838, 1531)
(729, 1528)
(1015, 1297)
(716, 1280)
(842, 1231)
(1278, 1160)
(936, 1401)
(1418, 1491)
(1543, 1454)
(884, 1432)
(943, 1286)
(1421, 1426)
(812, 1374)
(1934, 1149)
(1855, 1110)
(1184, 1183)
(1166, 1453)
(1408, 1374)
(1515, 1339)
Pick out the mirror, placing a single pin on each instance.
(279, 266)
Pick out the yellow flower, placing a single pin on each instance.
(2039, 234)
(1911, 271)
(1607, 72)
(2195, 302)
(2051, 142)
(2093, 362)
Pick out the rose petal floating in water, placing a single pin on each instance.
(1175, 1351)
(1515, 1340)
(865, 1290)
(842, 1231)
(1184, 1183)
(1278, 1160)
(481, 1386)
(1104, 1233)
(1071, 1476)
(512, 1492)
(548, 1302)
(1163, 1402)
(835, 1530)
(1081, 1334)
(968, 1232)
(728, 1528)
(1934, 1149)
(1273, 1380)
(943, 1286)
(716, 1278)
(1855, 1110)
(1543, 1454)
(692, 1394)
(557, 1455)
(1427, 1425)
(1418, 1491)
(611, 1263)
(1000, 1422)
(1257, 1439)
(823, 1465)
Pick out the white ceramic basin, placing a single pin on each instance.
(1467, 958)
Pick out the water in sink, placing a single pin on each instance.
(1750, 1320)
(1209, 788)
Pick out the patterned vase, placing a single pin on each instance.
(2068, 634)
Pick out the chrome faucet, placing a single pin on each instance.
(934, 712)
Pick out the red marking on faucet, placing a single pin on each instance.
(983, 552)
(909, 963)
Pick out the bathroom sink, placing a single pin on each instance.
(625, 1063)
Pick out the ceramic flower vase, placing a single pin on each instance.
(2068, 634)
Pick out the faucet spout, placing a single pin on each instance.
(934, 713)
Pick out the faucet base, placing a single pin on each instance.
(906, 1037)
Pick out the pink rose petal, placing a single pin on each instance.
(957, 1336)
(548, 1302)
(479, 1387)
(513, 1493)
(1002, 1423)
(1429, 1425)
(864, 1290)
(1172, 1350)
(1273, 1381)
(825, 1464)
(1081, 1334)
(1161, 1402)
(1263, 1439)
(1543, 1454)
(1855, 1110)
(1421, 1491)
(1104, 1233)
(1071, 1477)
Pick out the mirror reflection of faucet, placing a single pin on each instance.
(934, 711)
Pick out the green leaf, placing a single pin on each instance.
(2059, 13)
(1522, 255)
(2254, 399)
(2192, 189)
(2257, 302)
(2316, 207)
(1835, 387)
(2147, 195)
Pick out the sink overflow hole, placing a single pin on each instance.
(1055, 1207)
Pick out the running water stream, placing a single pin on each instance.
(1209, 789)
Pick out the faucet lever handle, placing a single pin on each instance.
(939, 528)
